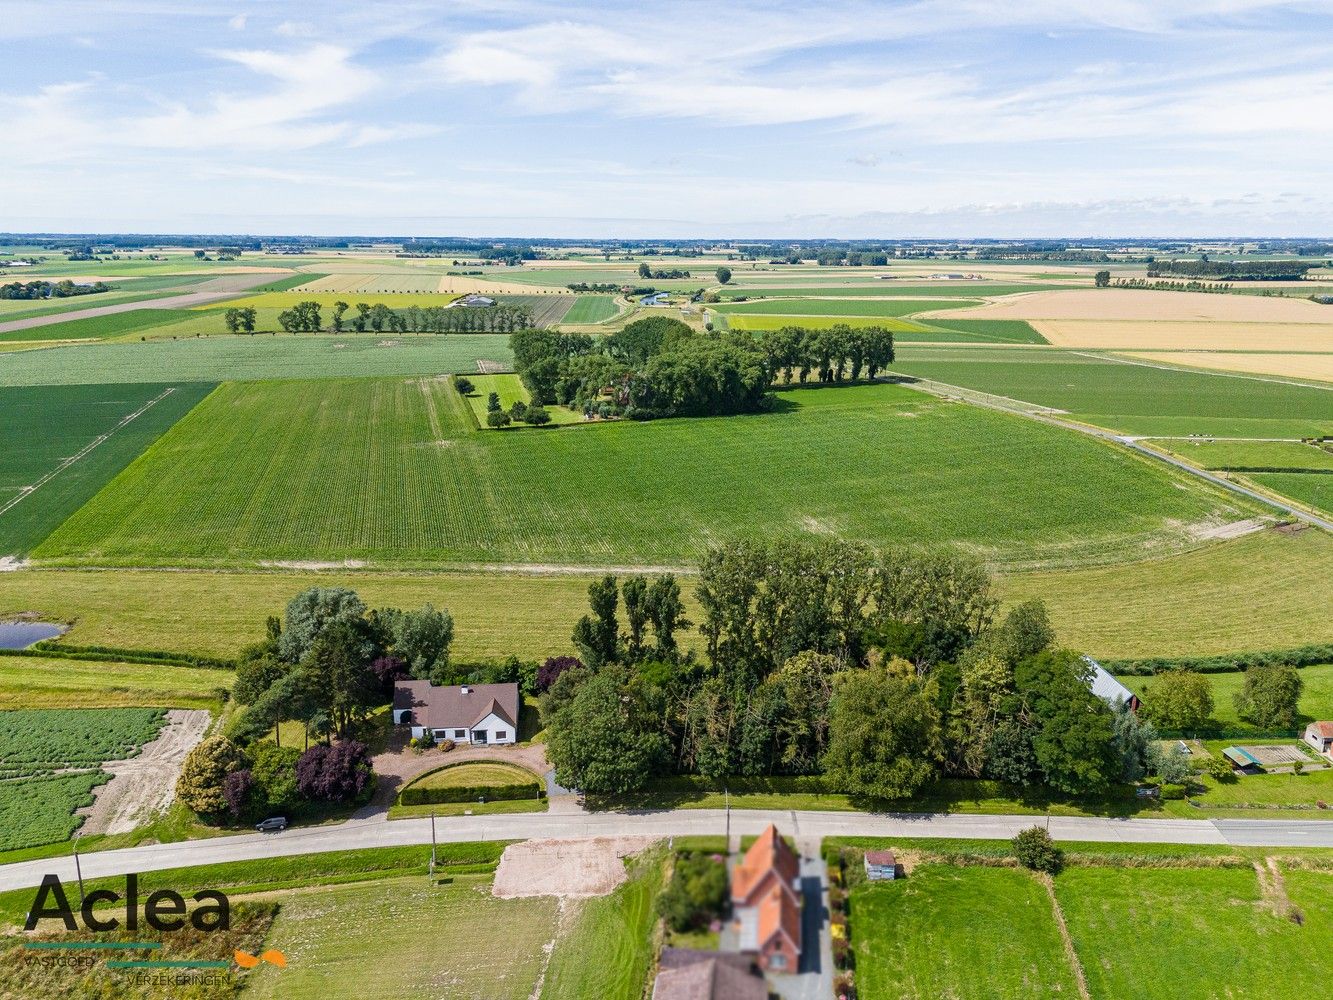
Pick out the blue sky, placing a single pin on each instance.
(891, 119)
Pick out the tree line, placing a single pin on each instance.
(307, 317)
(50, 290)
(880, 672)
(1231, 270)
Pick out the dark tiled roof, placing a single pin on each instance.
(448, 707)
(707, 975)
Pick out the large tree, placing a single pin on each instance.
(1072, 728)
(1270, 697)
(312, 611)
(1179, 699)
(884, 736)
(606, 738)
(204, 773)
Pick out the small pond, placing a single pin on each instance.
(21, 635)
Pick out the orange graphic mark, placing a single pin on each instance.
(273, 957)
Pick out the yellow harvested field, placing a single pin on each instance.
(1135, 304)
(1307, 366)
(1168, 336)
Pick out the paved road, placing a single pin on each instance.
(357, 834)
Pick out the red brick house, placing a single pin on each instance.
(766, 901)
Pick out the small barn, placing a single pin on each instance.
(881, 866)
(1108, 689)
(1320, 736)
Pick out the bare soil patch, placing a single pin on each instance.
(143, 786)
(565, 868)
(1306, 366)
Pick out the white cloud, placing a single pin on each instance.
(237, 23)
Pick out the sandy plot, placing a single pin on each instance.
(1311, 366)
(1137, 304)
(462, 283)
(569, 868)
(144, 786)
(1215, 336)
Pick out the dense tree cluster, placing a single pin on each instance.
(655, 367)
(50, 290)
(662, 274)
(884, 672)
(240, 320)
(1231, 270)
(364, 317)
(831, 354)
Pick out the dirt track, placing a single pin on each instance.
(145, 785)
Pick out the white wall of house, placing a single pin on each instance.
(494, 728)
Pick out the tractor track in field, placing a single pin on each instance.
(82, 453)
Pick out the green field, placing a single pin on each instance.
(1309, 488)
(407, 937)
(1139, 399)
(948, 931)
(871, 286)
(1196, 933)
(1316, 697)
(40, 810)
(591, 309)
(608, 950)
(135, 291)
(1003, 331)
(42, 428)
(903, 329)
(99, 327)
(392, 471)
(54, 682)
(214, 359)
(825, 307)
(1250, 455)
(511, 390)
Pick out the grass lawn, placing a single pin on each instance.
(591, 309)
(407, 937)
(212, 359)
(1136, 398)
(1180, 934)
(1311, 489)
(608, 950)
(1316, 697)
(65, 443)
(511, 390)
(948, 931)
(392, 472)
(477, 772)
(397, 811)
(52, 682)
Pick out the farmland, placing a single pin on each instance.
(438, 940)
(49, 764)
(42, 430)
(1304, 365)
(829, 307)
(391, 471)
(903, 329)
(55, 682)
(591, 309)
(923, 938)
(1310, 489)
(99, 327)
(1126, 396)
(212, 359)
(1251, 455)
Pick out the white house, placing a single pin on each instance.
(464, 713)
(1320, 736)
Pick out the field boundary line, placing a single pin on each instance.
(1079, 976)
(1163, 366)
(82, 453)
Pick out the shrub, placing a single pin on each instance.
(1035, 850)
(697, 891)
(537, 416)
(498, 419)
(464, 385)
(553, 668)
(204, 773)
(447, 745)
(519, 411)
(421, 796)
(1217, 768)
(334, 774)
(237, 789)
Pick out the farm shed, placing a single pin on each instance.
(464, 713)
(881, 866)
(1241, 759)
(1107, 688)
(1320, 736)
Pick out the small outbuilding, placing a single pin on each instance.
(881, 866)
(1108, 689)
(1320, 736)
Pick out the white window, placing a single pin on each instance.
(460, 734)
(777, 961)
(500, 734)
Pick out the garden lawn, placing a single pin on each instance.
(1136, 398)
(43, 428)
(407, 937)
(53, 682)
(1192, 934)
(947, 931)
(511, 390)
(392, 471)
(211, 359)
(608, 950)
(1316, 698)
(473, 773)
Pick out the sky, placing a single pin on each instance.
(898, 119)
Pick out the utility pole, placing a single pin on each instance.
(432, 843)
(78, 869)
(726, 793)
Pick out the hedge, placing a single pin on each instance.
(111, 654)
(1301, 656)
(413, 796)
